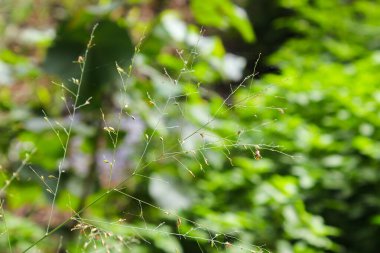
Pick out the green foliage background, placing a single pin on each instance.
(313, 113)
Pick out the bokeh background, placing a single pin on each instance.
(209, 157)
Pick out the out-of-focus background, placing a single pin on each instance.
(220, 125)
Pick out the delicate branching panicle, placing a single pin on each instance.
(194, 140)
(72, 111)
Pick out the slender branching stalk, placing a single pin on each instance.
(17, 172)
(2, 216)
(112, 132)
(82, 63)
